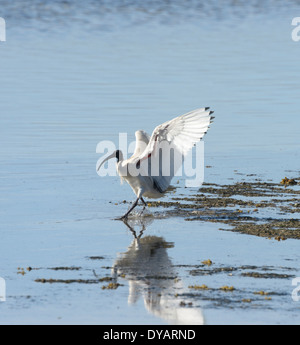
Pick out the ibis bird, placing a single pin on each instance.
(180, 133)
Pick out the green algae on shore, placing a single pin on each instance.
(255, 208)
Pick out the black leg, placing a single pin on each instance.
(145, 204)
(131, 208)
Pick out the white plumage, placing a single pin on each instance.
(156, 159)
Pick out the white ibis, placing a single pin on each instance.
(181, 134)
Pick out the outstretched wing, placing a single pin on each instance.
(179, 134)
(142, 140)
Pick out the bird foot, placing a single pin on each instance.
(140, 213)
(125, 217)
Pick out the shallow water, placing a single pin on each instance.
(73, 75)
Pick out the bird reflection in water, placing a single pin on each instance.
(151, 275)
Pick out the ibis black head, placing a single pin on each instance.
(118, 155)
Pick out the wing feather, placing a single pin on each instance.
(181, 133)
(142, 140)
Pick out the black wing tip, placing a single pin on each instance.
(206, 108)
(212, 117)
